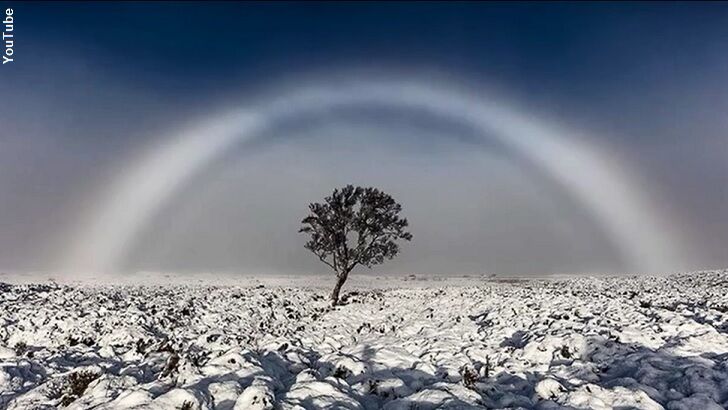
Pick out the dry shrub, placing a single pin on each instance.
(70, 387)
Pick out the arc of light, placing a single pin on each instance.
(612, 202)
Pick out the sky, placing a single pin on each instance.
(102, 95)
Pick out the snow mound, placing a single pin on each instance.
(598, 343)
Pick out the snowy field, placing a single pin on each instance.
(644, 343)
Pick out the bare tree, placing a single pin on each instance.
(354, 226)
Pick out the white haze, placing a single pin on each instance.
(470, 211)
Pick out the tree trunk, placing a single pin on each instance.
(340, 279)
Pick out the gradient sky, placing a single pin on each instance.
(95, 85)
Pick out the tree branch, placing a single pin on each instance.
(323, 259)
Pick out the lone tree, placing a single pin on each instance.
(354, 226)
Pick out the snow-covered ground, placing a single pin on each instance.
(646, 343)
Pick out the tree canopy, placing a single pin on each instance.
(354, 226)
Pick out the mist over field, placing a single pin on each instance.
(646, 99)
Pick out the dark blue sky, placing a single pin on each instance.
(608, 62)
(93, 82)
(567, 50)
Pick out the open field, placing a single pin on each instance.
(646, 343)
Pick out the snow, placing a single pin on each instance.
(601, 343)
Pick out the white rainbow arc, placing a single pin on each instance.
(622, 212)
